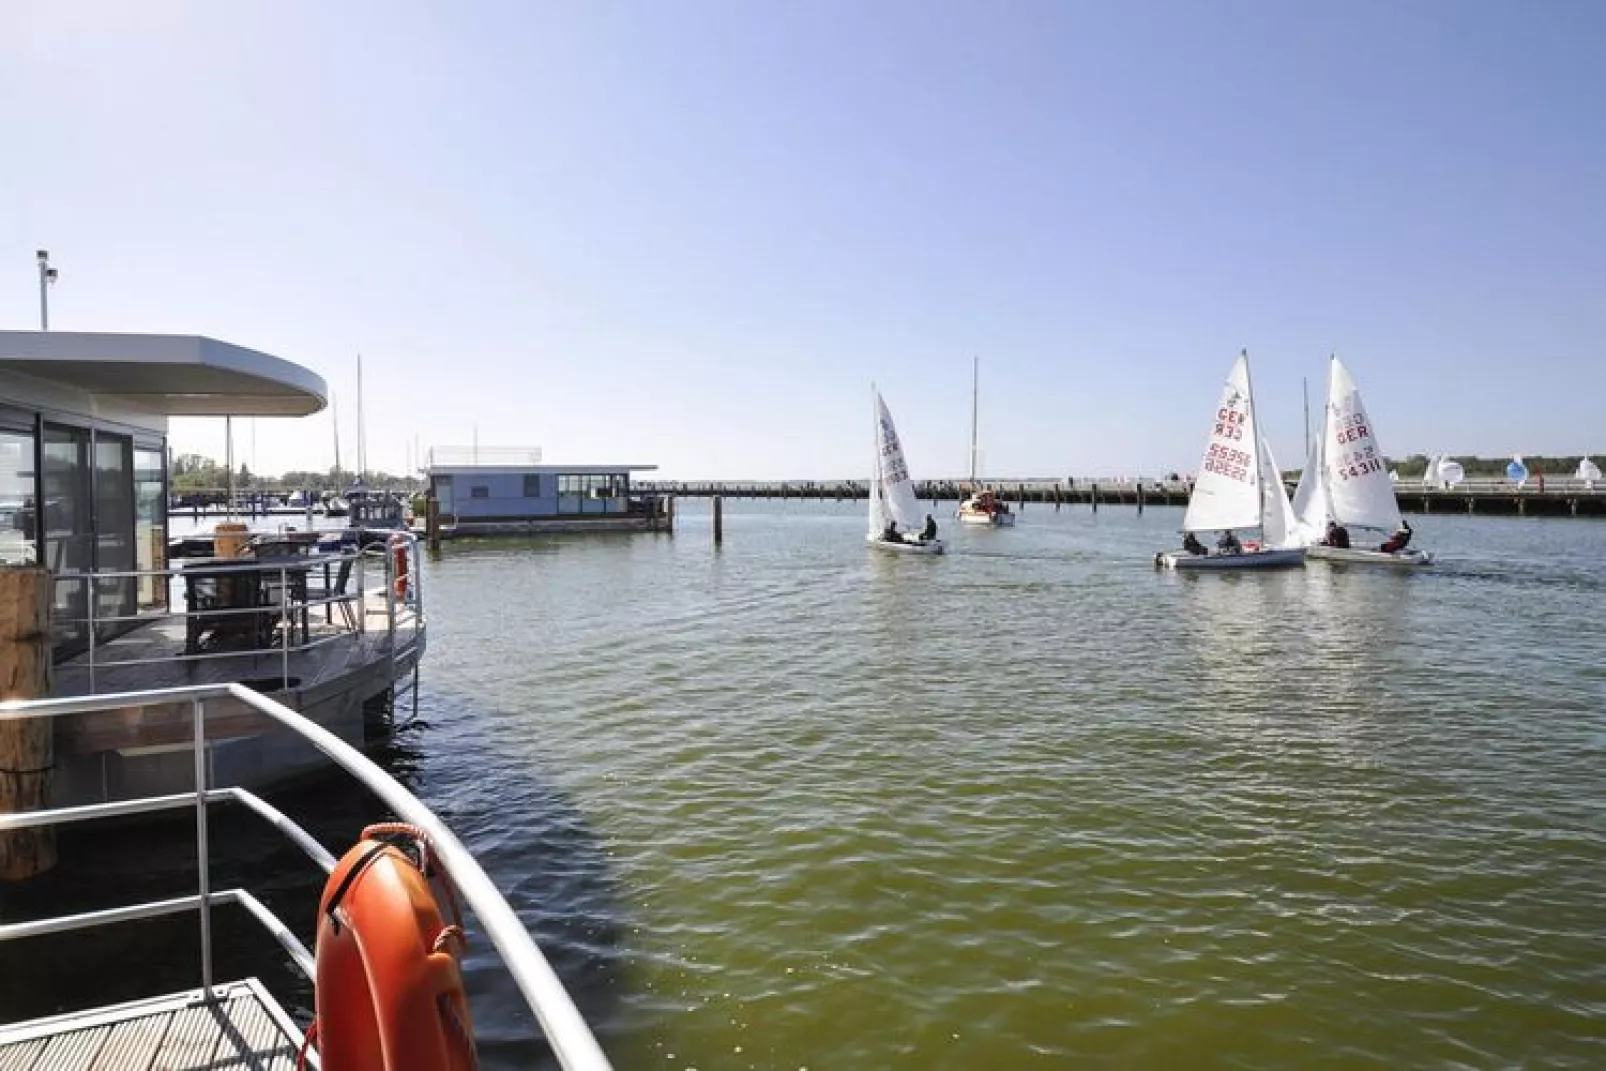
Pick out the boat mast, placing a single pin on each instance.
(1260, 477)
(975, 386)
(362, 458)
(1304, 391)
(334, 407)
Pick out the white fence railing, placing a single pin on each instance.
(566, 1031)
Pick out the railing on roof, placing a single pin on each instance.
(472, 456)
(345, 612)
(566, 1031)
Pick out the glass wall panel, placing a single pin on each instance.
(150, 525)
(18, 511)
(69, 540)
(114, 530)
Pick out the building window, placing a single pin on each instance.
(603, 485)
(479, 491)
(150, 523)
(532, 485)
(18, 514)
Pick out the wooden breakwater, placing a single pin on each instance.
(1555, 498)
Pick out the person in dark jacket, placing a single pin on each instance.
(1191, 544)
(1337, 535)
(1399, 540)
(1228, 543)
(929, 532)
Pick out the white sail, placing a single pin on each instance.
(1589, 472)
(892, 493)
(1358, 484)
(1310, 506)
(1430, 474)
(1449, 472)
(1226, 493)
(1278, 527)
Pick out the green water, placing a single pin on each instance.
(795, 803)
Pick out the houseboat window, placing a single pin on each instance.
(150, 525)
(114, 531)
(18, 538)
(68, 537)
(479, 491)
(443, 488)
(532, 485)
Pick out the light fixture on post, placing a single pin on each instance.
(47, 279)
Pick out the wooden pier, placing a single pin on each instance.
(1557, 498)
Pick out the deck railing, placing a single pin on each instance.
(566, 1031)
(372, 575)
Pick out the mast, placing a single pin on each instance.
(975, 386)
(334, 407)
(362, 458)
(1260, 477)
(1304, 391)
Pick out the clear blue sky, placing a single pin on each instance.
(692, 233)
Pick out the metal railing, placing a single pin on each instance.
(403, 611)
(566, 1031)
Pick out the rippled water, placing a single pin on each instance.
(794, 803)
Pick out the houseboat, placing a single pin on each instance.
(508, 491)
(83, 493)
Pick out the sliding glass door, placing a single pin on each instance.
(89, 527)
(69, 530)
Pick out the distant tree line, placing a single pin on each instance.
(189, 473)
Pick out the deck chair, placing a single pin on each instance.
(336, 589)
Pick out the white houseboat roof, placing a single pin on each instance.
(175, 375)
(563, 470)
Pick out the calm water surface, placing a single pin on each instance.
(1035, 803)
(798, 804)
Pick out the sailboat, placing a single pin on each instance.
(1348, 481)
(1588, 472)
(892, 494)
(983, 507)
(1238, 487)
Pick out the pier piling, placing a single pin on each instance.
(432, 524)
(719, 520)
(27, 749)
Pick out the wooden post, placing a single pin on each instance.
(27, 750)
(432, 523)
(1095, 497)
(719, 520)
(671, 514)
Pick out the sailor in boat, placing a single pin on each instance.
(1228, 543)
(891, 534)
(1191, 544)
(1337, 535)
(929, 532)
(1398, 541)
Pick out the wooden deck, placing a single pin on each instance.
(243, 1029)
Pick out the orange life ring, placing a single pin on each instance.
(398, 547)
(389, 994)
